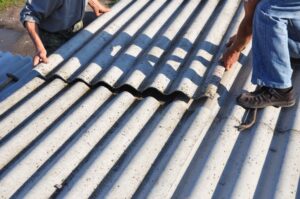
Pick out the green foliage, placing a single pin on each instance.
(7, 3)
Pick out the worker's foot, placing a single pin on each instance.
(295, 61)
(265, 96)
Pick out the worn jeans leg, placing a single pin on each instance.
(272, 47)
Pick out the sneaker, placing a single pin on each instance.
(295, 61)
(265, 96)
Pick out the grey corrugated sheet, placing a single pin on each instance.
(169, 46)
(13, 68)
(71, 140)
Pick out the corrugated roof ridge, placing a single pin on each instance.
(54, 80)
(13, 67)
(290, 130)
(96, 27)
(72, 46)
(262, 126)
(86, 140)
(74, 66)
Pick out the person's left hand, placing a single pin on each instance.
(98, 8)
(40, 56)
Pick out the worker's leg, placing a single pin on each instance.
(272, 69)
(271, 56)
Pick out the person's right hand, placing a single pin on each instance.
(231, 41)
(231, 55)
(98, 8)
(40, 57)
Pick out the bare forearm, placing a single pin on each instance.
(244, 35)
(41, 53)
(93, 3)
(33, 31)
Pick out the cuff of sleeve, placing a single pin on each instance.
(30, 19)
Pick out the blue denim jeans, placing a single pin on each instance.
(276, 38)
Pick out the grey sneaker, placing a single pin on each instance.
(265, 96)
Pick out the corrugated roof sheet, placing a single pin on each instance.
(68, 139)
(13, 68)
(71, 140)
(168, 46)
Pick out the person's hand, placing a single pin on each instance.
(231, 41)
(231, 55)
(40, 57)
(98, 8)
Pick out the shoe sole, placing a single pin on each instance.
(275, 104)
